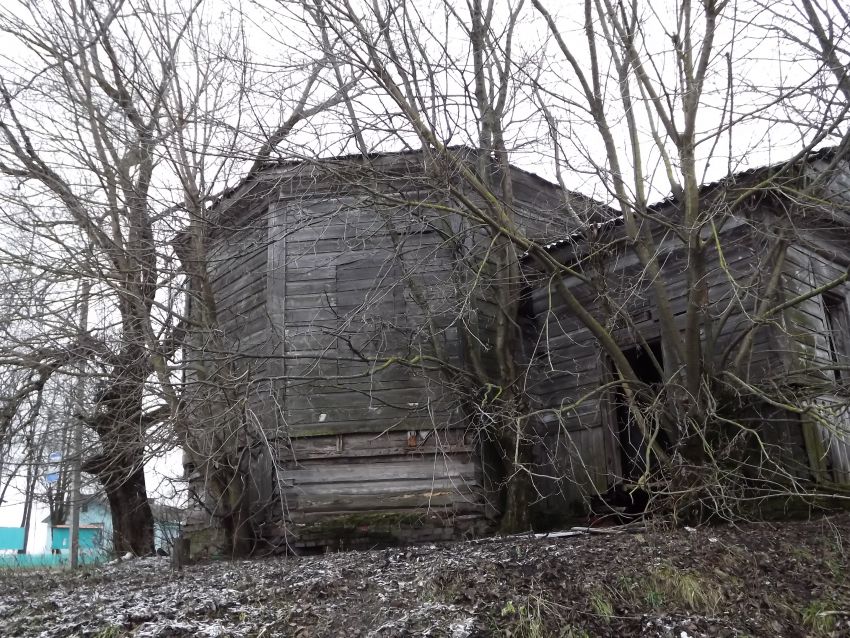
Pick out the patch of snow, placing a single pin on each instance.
(462, 629)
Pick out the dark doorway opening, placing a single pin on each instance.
(647, 363)
(838, 333)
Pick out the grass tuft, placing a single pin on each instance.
(819, 618)
(527, 619)
(681, 588)
(601, 604)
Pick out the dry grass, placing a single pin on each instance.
(601, 604)
(670, 586)
(819, 618)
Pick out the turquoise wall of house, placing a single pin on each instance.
(41, 561)
(99, 514)
(92, 513)
(96, 513)
(90, 539)
(11, 538)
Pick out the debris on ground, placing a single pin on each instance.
(789, 579)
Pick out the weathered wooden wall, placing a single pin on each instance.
(339, 282)
(236, 266)
(338, 286)
(807, 356)
(373, 437)
(578, 447)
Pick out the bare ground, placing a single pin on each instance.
(791, 579)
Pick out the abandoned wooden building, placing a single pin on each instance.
(336, 285)
(763, 230)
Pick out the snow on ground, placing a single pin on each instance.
(756, 580)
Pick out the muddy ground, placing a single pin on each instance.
(790, 579)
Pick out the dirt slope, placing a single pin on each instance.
(756, 580)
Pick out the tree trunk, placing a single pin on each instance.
(118, 421)
(132, 519)
(122, 476)
(517, 498)
(237, 520)
(518, 487)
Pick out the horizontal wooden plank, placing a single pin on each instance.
(350, 503)
(372, 425)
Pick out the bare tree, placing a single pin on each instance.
(137, 119)
(151, 112)
(104, 81)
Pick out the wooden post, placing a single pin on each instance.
(29, 495)
(79, 398)
(180, 552)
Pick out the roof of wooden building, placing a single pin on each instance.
(775, 178)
